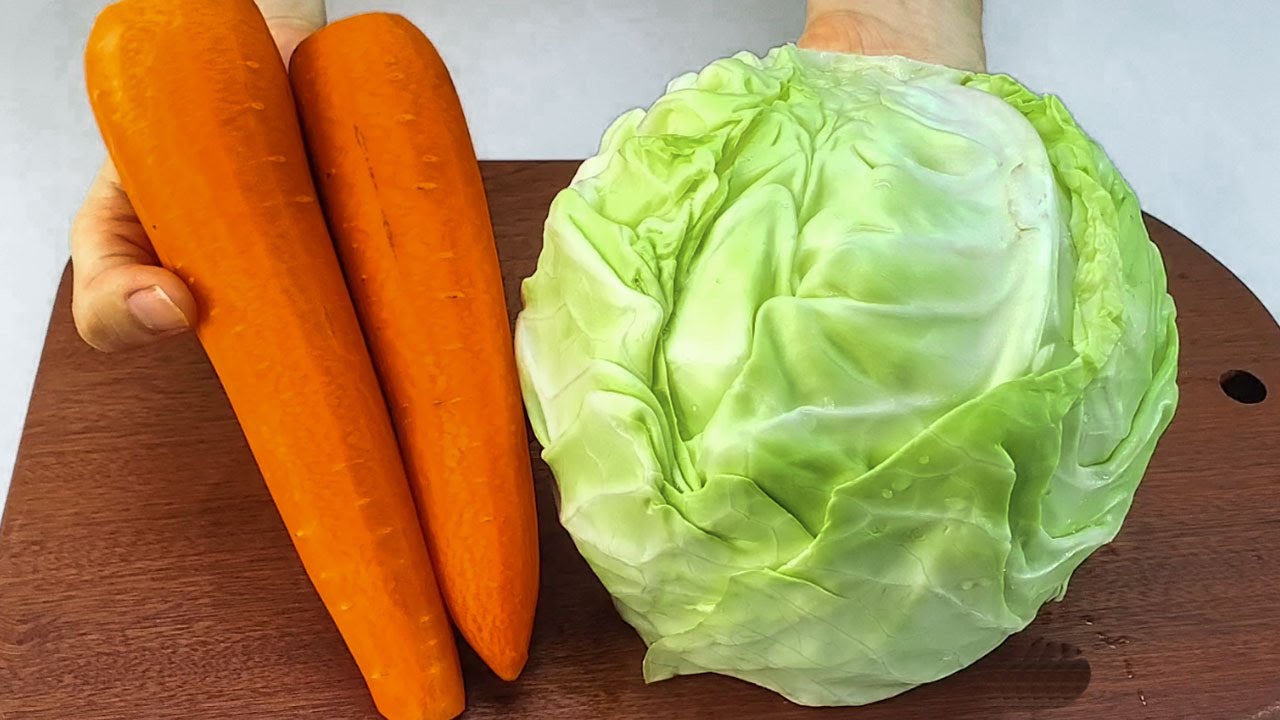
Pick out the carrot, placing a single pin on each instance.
(194, 105)
(402, 189)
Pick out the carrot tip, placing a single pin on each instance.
(506, 667)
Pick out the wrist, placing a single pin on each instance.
(947, 32)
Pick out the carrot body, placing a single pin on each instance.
(194, 105)
(402, 189)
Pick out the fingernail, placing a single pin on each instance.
(153, 308)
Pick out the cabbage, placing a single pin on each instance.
(843, 365)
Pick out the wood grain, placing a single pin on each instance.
(145, 574)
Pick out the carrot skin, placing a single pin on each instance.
(402, 190)
(195, 108)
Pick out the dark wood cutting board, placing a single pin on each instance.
(144, 572)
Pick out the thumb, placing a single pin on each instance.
(121, 297)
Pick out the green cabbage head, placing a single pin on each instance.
(843, 365)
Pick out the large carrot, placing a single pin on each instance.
(194, 104)
(398, 176)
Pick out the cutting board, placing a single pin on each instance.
(144, 572)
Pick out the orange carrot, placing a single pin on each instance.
(194, 105)
(398, 176)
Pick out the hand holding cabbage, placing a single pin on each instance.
(843, 365)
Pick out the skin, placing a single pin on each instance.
(123, 299)
(946, 32)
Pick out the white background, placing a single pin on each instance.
(1183, 94)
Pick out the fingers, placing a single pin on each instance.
(291, 21)
(121, 298)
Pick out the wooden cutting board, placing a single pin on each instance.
(144, 572)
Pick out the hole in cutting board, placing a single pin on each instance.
(1243, 386)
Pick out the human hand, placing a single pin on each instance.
(946, 32)
(121, 297)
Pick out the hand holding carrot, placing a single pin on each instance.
(122, 298)
(195, 109)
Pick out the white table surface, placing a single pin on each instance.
(1182, 93)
